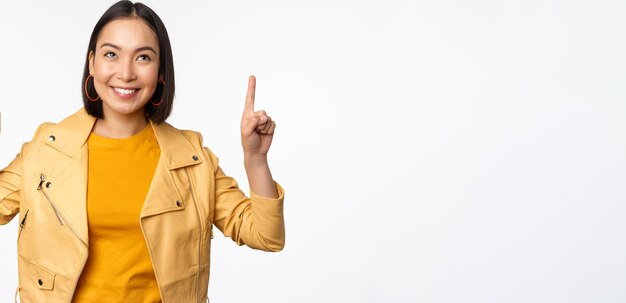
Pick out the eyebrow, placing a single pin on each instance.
(137, 50)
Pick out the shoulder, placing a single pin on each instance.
(43, 129)
(193, 137)
(78, 124)
(172, 138)
(196, 139)
(38, 138)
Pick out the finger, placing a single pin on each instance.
(250, 125)
(249, 108)
(272, 128)
(264, 126)
(262, 115)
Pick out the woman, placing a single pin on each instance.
(117, 205)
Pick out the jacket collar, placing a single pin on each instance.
(70, 135)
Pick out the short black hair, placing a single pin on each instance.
(164, 92)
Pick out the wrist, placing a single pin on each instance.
(251, 159)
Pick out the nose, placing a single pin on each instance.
(126, 71)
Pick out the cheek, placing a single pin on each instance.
(102, 72)
(150, 77)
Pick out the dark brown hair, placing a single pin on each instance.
(164, 92)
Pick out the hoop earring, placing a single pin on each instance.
(87, 94)
(155, 104)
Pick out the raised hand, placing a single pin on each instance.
(257, 128)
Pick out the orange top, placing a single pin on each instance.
(119, 268)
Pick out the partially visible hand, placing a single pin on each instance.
(257, 128)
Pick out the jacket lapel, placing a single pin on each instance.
(168, 191)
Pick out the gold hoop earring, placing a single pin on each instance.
(87, 94)
(155, 104)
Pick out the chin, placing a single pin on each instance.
(124, 109)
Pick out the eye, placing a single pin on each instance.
(144, 58)
(110, 55)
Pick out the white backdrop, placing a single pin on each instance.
(431, 151)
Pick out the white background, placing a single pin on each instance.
(431, 151)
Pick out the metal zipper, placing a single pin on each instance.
(42, 179)
(22, 224)
(195, 203)
(56, 212)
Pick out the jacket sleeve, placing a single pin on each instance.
(255, 221)
(10, 180)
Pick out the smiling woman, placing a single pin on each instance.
(125, 68)
(115, 204)
(130, 50)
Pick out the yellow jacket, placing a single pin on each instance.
(47, 184)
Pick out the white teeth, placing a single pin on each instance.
(124, 91)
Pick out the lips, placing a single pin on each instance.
(125, 92)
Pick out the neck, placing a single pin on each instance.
(120, 126)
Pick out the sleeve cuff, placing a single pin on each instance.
(279, 190)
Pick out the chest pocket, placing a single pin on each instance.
(43, 278)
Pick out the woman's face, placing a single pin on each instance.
(125, 66)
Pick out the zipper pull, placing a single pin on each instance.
(24, 220)
(42, 178)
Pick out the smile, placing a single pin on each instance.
(125, 92)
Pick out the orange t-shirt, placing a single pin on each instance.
(119, 268)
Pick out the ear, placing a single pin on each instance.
(91, 62)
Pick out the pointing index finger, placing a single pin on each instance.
(250, 95)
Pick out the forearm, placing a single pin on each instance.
(259, 176)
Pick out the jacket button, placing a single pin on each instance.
(195, 158)
(40, 282)
(48, 184)
(52, 138)
(178, 203)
